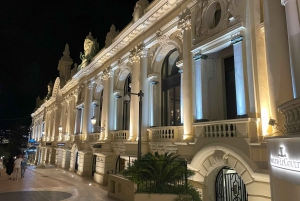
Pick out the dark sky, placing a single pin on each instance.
(33, 34)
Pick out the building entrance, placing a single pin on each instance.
(230, 186)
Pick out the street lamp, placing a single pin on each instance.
(99, 128)
(127, 99)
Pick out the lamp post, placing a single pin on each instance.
(127, 99)
(100, 128)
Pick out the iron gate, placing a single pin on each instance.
(230, 187)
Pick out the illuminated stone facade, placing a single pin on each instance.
(212, 73)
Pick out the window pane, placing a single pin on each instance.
(177, 106)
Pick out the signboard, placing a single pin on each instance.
(284, 158)
(283, 161)
(36, 143)
(61, 144)
(48, 143)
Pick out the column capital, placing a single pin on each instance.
(136, 53)
(237, 37)
(153, 78)
(284, 2)
(179, 64)
(118, 94)
(185, 20)
(199, 56)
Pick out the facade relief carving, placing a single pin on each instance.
(214, 16)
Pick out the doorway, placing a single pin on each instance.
(229, 186)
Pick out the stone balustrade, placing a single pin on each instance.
(168, 133)
(121, 135)
(291, 112)
(94, 136)
(243, 128)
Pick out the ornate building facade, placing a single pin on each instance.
(212, 74)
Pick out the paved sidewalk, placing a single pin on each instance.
(51, 184)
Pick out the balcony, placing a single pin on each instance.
(234, 128)
(94, 136)
(291, 112)
(168, 134)
(120, 136)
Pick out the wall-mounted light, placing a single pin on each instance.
(96, 128)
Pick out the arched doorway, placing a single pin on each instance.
(229, 186)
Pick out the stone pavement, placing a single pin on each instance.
(51, 184)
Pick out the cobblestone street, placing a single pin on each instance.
(51, 184)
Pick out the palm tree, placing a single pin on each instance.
(159, 173)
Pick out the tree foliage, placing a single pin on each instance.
(18, 139)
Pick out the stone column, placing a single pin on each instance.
(88, 107)
(153, 100)
(185, 25)
(201, 89)
(56, 120)
(277, 56)
(135, 86)
(108, 105)
(239, 61)
(118, 109)
(293, 27)
(144, 86)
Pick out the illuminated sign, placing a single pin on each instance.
(61, 144)
(284, 162)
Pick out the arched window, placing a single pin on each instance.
(126, 105)
(171, 113)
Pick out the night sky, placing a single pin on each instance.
(33, 35)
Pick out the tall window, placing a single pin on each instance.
(230, 88)
(171, 90)
(126, 106)
(100, 107)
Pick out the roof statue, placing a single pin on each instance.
(139, 9)
(49, 94)
(110, 36)
(91, 47)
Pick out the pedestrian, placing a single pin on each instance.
(23, 166)
(9, 167)
(17, 167)
(1, 167)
